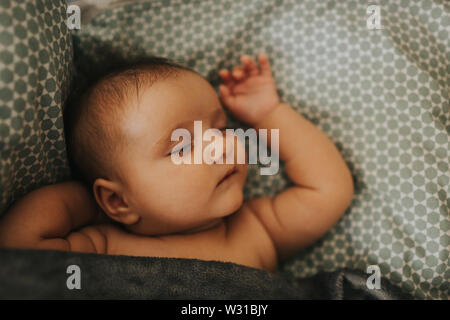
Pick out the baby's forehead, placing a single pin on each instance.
(174, 101)
(186, 93)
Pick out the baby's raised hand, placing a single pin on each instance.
(249, 93)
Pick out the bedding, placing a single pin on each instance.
(44, 274)
(36, 65)
(382, 96)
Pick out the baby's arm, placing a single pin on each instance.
(323, 189)
(47, 218)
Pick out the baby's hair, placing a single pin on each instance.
(94, 109)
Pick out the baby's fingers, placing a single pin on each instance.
(250, 66)
(265, 65)
(238, 73)
(226, 77)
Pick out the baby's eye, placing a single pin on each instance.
(181, 150)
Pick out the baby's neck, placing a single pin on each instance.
(210, 225)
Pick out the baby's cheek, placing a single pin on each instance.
(186, 187)
(192, 184)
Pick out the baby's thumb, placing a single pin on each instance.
(225, 95)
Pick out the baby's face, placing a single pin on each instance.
(172, 198)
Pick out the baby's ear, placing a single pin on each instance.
(109, 197)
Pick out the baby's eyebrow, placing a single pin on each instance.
(166, 138)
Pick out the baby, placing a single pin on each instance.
(136, 201)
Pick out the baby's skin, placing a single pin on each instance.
(166, 210)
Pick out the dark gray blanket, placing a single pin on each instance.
(42, 274)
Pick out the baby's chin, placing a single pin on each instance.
(217, 218)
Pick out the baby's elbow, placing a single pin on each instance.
(339, 195)
(345, 192)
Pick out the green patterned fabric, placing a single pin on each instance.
(35, 67)
(381, 95)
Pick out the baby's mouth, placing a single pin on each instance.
(229, 173)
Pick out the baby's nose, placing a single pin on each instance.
(234, 150)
